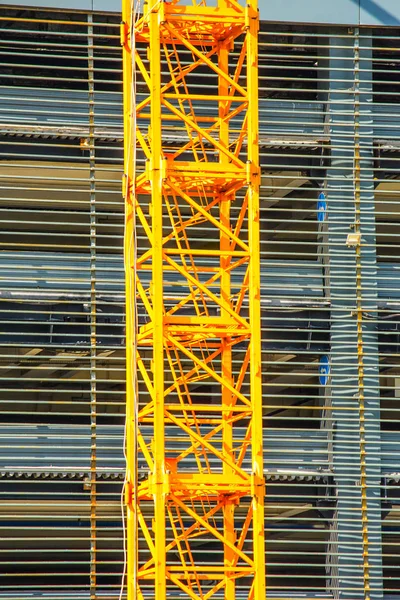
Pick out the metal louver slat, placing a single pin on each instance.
(62, 364)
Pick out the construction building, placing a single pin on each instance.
(329, 152)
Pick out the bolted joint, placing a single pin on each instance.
(250, 14)
(257, 486)
(128, 493)
(252, 173)
(124, 33)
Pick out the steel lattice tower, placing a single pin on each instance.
(194, 411)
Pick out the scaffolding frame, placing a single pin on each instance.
(201, 311)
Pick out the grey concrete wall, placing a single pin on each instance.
(379, 12)
(341, 12)
(96, 5)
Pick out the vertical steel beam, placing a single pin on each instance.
(226, 351)
(254, 303)
(129, 85)
(354, 342)
(157, 299)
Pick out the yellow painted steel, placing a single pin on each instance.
(194, 410)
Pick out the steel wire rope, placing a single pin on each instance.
(135, 10)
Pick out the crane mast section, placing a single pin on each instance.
(195, 485)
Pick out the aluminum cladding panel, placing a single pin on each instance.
(58, 4)
(341, 12)
(382, 12)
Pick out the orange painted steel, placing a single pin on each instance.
(194, 411)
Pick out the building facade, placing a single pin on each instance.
(330, 152)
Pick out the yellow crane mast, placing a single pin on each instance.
(195, 487)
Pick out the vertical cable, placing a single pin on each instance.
(93, 349)
(359, 311)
